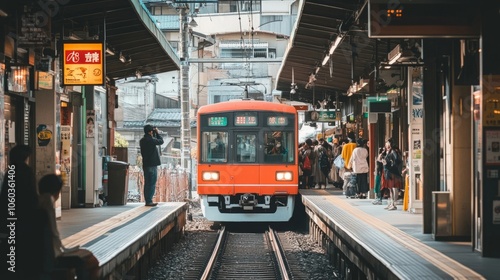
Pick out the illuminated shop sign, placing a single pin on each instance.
(83, 63)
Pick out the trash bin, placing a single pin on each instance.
(117, 183)
(441, 215)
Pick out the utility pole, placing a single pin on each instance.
(185, 121)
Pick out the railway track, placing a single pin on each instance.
(236, 255)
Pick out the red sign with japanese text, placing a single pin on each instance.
(83, 63)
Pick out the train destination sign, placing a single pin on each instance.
(277, 121)
(217, 121)
(245, 120)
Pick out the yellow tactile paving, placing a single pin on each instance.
(440, 260)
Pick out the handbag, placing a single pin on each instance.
(339, 162)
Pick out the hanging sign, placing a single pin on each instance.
(83, 63)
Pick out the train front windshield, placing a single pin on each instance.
(247, 142)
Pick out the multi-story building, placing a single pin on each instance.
(235, 47)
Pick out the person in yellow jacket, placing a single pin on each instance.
(346, 155)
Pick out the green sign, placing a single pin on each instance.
(323, 116)
(217, 121)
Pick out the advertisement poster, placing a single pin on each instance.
(496, 212)
(83, 63)
(90, 124)
(416, 138)
(44, 134)
(492, 146)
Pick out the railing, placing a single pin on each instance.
(172, 185)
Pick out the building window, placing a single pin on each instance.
(238, 6)
(161, 10)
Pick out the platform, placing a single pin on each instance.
(124, 238)
(393, 240)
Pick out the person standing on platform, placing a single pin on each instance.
(150, 161)
(306, 151)
(322, 165)
(359, 165)
(392, 173)
(334, 172)
(314, 163)
(379, 172)
(347, 153)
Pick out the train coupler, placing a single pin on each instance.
(248, 201)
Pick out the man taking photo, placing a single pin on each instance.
(150, 161)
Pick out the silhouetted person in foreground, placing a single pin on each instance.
(20, 218)
(57, 256)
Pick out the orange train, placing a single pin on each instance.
(247, 161)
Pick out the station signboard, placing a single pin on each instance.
(83, 63)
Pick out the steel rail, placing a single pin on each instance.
(279, 254)
(213, 257)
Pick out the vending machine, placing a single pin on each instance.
(66, 137)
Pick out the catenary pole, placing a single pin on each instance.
(185, 122)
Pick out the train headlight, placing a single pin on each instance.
(210, 176)
(284, 176)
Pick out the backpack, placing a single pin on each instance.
(395, 163)
(306, 165)
(324, 163)
(398, 163)
(339, 162)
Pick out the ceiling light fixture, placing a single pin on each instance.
(73, 36)
(138, 74)
(193, 23)
(335, 44)
(394, 55)
(293, 88)
(362, 83)
(312, 78)
(110, 51)
(398, 54)
(352, 89)
(325, 60)
(122, 57)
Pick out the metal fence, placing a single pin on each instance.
(172, 185)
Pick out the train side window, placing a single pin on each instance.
(215, 147)
(245, 147)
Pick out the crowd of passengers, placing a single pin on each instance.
(344, 163)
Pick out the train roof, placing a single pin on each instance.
(246, 104)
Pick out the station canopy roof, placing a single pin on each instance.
(126, 25)
(319, 24)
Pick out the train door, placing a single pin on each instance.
(246, 170)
